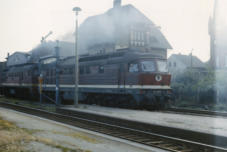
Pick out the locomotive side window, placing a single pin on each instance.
(81, 70)
(133, 67)
(29, 73)
(162, 66)
(70, 70)
(101, 69)
(21, 76)
(88, 70)
(148, 66)
(51, 73)
(47, 72)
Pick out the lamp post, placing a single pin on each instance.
(58, 102)
(76, 10)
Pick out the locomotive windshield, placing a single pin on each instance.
(162, 66)
(152, 66)
(148, 66)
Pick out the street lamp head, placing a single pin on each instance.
(77, 9)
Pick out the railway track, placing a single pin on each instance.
(196, 112)
(135, 134)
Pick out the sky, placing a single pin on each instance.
(23, 22)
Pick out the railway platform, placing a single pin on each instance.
(196, 123)
(50, 136)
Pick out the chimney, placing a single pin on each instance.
(117, 3)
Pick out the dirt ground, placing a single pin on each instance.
(26, 133)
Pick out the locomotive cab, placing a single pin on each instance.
(149, 72)
(150, 80)
(154, 72)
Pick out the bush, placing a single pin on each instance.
(195, 87)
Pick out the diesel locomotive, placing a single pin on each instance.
(123, 79)
(125, 65)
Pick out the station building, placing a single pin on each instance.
(122, 27)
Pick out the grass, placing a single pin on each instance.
(78, 136)
(15, 139)
(11, 137)
(30, 104)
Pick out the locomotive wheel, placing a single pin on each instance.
(133, 103)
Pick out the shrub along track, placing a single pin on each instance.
(166, 138)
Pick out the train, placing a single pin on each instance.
(120, 79)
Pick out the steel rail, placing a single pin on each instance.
(139, 136)
(196, 112)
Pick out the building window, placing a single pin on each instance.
(175, 64)
(142, 36)
(132, 43)
(135, 35)
(132, 35)
(143, 44)
(148, 37)
(170, 64)
(139, 36)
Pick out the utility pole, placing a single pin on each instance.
(57, 74)
(45, 37)
(191, 59)
(213, 33)
(40, 77)
(76, 10)
(40, 81)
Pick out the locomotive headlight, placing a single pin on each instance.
(158, 78)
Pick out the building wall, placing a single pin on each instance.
(2, 67)
(221, 59)
(175, 66)
(135, 38)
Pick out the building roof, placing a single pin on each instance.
(48, 48)
(103, 28)
(18, 58)
(186, 59)
(23, 53)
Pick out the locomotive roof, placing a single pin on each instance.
(119, 56)
(20, 68)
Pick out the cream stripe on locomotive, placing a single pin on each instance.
(18, 84)
(94, 86)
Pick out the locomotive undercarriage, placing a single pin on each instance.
(123, 98)
(135, 99)
(20, 92)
